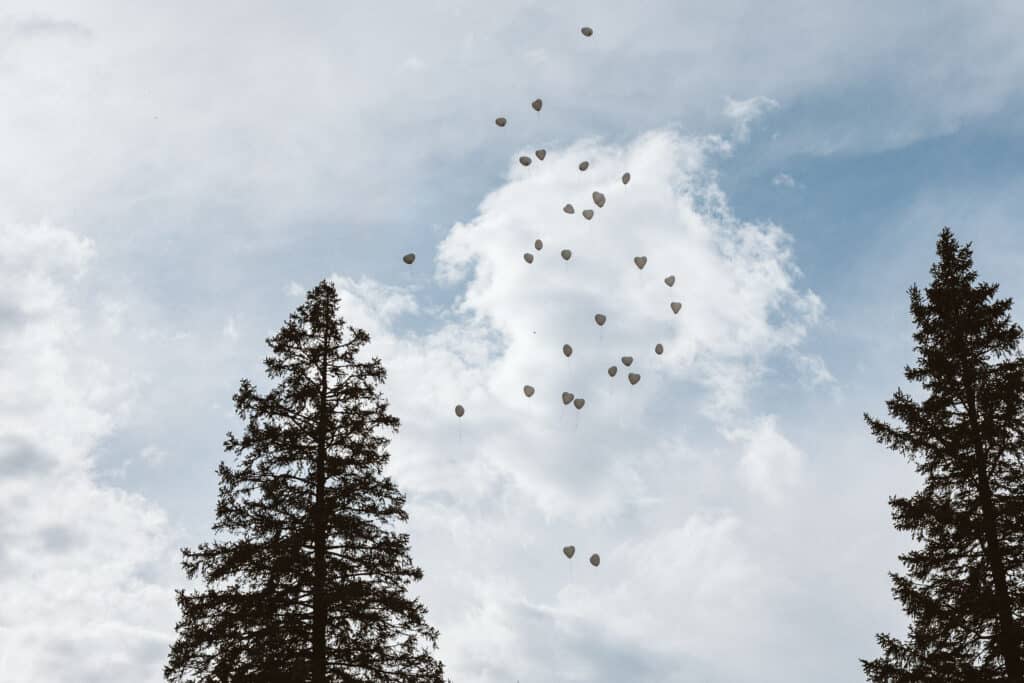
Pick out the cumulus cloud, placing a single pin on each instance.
(783, 180)
(84, 569)
(745, 112)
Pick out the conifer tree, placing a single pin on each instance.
(312, 586)
(964, 590)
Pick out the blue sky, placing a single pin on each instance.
(174, 179)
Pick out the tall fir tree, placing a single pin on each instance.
(964, 591)
(312, 588)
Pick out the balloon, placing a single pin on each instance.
(459, 410)
(627, 360)
(670, 280)
(409, 258)
(528, 390)
(588, 213)
(625, 179)
(640, 261)
(598, 199)
(587, 31)
(567, 350)
(541, 154)
(612, 370)
(595, 559)
(569, 551)
(659, 349)
(501, 121)
(537, 104)
(567, 208)
(599, 318)
(528, 257)
(676, 306)
(579, 403)
(525, 161)
(633, 378)
(584, 165)
(567, 398)
(538, 245)
(566, 254)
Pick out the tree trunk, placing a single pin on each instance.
(320, 536)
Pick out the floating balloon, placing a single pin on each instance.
(633, 378)
(625, 179)
(659, 349)
(569, 551)
(567, 350)
(627, 360)
(579, 403)
(409, 258)
(528, 257)
(541, 154)
(588, 213)
(670, 280)
(537, 104)
(525, 161)
(528, 390)
(567, 398)
(568, 208)
(584, 165)
(599, 318)
(459, 410)
(538, 245)
(566, 254)
(595, 559)
(640, 261)
(612, 370)
(587, 31)
(598, 199)
(676, 306)
(501, 121)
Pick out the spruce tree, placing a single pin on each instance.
(964, 590)
(312, 584)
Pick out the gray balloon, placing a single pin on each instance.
(528, 257)
(640, 261)
(409, 258)
(567, 350)
(579, 403)
(525, 161)
(659, 349)
(598, 199)
(587, 31)
(612, 370)
(633, 378)
(595, 559)
(627, 360)
(528, 390)
(538, 245)
(625, 178)
(600, 319)
(568, 208)
(670, 280)
(541, 154)
(588, 213)
(501, 121)
(566, 254)
(567, 398)
(537, 104)
(676, 305)
(459, 410)
(584, 165)
(569, 551)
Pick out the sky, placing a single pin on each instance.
(173, 179)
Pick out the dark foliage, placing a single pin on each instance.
(312, 585)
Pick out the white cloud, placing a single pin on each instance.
(783, 180)
(745, 112)
(231, 329)
(770, 464)
(85, 568)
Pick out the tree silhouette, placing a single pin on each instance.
(964, 590)
(312, 587)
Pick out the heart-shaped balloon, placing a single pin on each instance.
(541, 153)
(598, 199)
(501, 121)
(579, 403)
(640, 261)
(595, 559)
(525, 161)
(670, 280)
(588, 213)
(459, 410)
(567, 350)
(528, 257)
(409, 258)
(676, 305)
(538, 245)
(659, 349)
(625, 178)
(528, 390)
(537, 104)
(568, 208)
(566, 254)
(599, 318)
(569, 551)
(627, 360)
(584, 165)
(633, 378)
(612, 370)
(567, 398)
